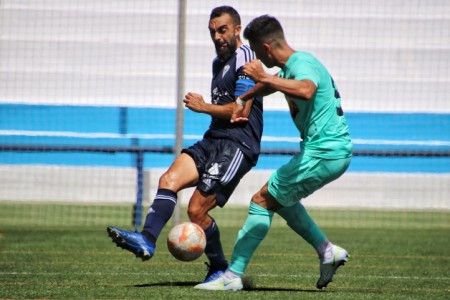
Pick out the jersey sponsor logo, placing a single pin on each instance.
(215, 96)
(225, 70)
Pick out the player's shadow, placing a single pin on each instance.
(276, 289)
(262, 289)
(171, 283)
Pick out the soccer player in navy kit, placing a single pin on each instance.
(215, 164)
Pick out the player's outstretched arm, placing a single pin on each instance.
(195, 102)
(241, 110)
(304, 89)
(301, 89)
(241, 107)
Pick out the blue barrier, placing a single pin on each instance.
(383, 142)
(144, 138)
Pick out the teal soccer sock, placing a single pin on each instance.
(250, 236)
(299, 220)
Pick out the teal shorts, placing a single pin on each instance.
(302, 176)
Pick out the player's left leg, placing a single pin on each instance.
(249, 237)
(254, 230)
(181, 174)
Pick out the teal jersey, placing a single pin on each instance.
(320, 120)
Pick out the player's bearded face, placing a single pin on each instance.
(225, 36)
(225, 49)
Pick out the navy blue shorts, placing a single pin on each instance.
(220, 165)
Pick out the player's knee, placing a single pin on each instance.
(264, 199)
(197, 214)
(166, 180)
(258, 199)
(192, 214)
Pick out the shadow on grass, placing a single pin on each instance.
(253, 289)
(172, 283)
(279, 289)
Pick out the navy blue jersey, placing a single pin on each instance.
(226, 76)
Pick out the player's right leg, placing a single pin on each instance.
(296, 180)
(224, 167)
(199, 206)
(181, 174)
(334, 257)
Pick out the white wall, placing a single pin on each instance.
(386, 55)
(118, 185)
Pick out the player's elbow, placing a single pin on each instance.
(307, 89)
(308, 96)
(308, 92)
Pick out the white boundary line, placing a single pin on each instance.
(96, 135)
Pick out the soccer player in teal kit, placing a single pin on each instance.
(315, 106)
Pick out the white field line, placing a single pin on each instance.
(96, 135)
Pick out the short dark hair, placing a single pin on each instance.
(264, 28)
(220, 10)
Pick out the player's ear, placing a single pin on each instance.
(237, 30)
(266, 46)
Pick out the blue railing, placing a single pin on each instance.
(54, 134)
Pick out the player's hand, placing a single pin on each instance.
(238, 115)
(254, 70)
(194, 102)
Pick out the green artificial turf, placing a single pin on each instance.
(403, 255)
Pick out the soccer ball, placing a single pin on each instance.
(186, 241)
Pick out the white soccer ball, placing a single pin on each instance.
(186, 241)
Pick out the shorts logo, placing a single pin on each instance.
(211, 174)
(214, 170)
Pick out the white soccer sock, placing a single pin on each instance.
(230, 275)
(323, 248)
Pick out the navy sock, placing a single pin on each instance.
(213, 248)
(159, 213)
